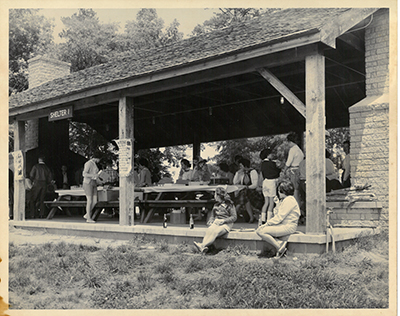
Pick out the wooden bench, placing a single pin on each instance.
(72, 204)
(148, 206)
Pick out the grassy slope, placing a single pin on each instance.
(146, 275)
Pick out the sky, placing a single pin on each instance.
(187, 17)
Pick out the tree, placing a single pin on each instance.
(147, 31)
(85, 141)
(246, 147)
(30, 34)
(228, 16)
(88, 42)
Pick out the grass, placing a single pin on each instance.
(144, 274)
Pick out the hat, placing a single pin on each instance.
(199, 159)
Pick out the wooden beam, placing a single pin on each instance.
(353, 41)
(196, 146)
(126, 183)
(285, 91)
(315, 144)
(336, 27)
(19, 184)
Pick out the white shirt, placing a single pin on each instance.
(295, 156)
(238, 179)
(330, 170)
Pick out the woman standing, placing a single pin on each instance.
(90, 173)
(284, 220)
(221, 221)
(270, 173)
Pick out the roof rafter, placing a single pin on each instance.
(282, 89)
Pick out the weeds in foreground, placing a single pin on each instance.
(170, 277)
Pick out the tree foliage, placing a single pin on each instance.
(30, 34)
(228, 16)
(85, 141)
(148, 31)
(88, 42)
(250, 148)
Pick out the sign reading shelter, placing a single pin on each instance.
(125, 156)
(18, 165)
(61, 114)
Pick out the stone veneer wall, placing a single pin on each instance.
(41, 70)
(369, 118)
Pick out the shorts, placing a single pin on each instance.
(90, 188)
(269, 187)
(294, 175)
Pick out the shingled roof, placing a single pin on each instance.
(276, 26)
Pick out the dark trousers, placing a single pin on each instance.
(333, 185)
(347, 183)
(38, 193)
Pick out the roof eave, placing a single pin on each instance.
(345, 21)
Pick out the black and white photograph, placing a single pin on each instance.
(180, 157)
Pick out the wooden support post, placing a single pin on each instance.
(19, 184)
(315, 144)
(126, 183)
(196, 146)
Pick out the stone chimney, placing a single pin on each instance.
(42, 69)
(369, 118)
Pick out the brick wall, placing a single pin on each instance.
(41, 70)
(369, 119)
(377, 54)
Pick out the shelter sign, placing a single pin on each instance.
(125, 156)
(60, 114)
(18, 165)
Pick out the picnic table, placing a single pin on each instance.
(149, 204)
(76, 198)
(148, 199)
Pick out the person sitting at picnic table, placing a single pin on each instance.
(185, 173)
(224, 172)
(247, 177)
(90, 174)
(200, 170)
(283, 221)
(144, 173)
(63, 178)
(221, 221)
(114, 177)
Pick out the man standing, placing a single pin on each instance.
(41, 177)
(295, 156)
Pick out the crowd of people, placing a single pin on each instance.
(274, 193)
